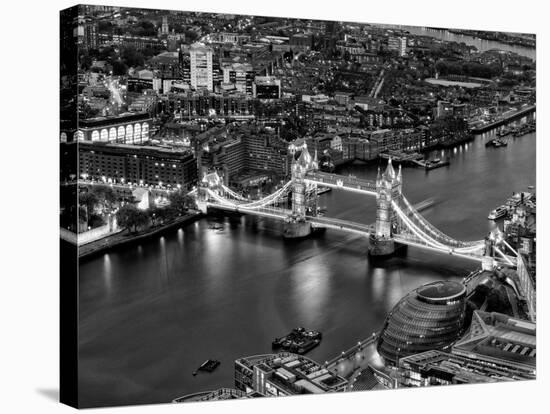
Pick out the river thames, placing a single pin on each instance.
(482, 45)
(151, 313)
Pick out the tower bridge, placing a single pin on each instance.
(397, 220)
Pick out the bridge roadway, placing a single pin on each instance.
(342, 225)
(276, 213)
(348, 183)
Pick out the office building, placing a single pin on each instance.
(165, 29)
(443, 368)
(285, 374)
(430, 317)
(266, 87)
(201, 65)
(495, 337)
(138, 165)
(240, 76)
(398, 44)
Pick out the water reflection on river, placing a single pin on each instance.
(151, 313)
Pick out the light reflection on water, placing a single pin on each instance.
(150, 315)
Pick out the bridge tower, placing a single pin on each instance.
(388, 189)
(210, 181)
(296, 225)
(493, 238)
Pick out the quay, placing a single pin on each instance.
(123, 238)
(505, 120)
(413, 159)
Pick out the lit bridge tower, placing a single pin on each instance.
(296, 224)
(388, 190)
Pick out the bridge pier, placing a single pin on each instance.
(202, 206)
(381, 245)
(296, 229)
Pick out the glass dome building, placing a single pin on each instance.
(430, 317)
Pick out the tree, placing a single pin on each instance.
(191, 35)
(119, 68)
(107, 53)
(181, 201)
(85, 61)
(156, 214)
(89, 200)
(131, 218)
(82, 214)
(105, 194)
(131, 57)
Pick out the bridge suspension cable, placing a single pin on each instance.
(233, 194)
(256, 204)
(437, 234)
(421, 234)
(420, 229)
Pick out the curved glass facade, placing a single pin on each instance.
(430, 317)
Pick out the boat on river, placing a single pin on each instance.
(299, 341)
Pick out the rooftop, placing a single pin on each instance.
(498, 336)
(441, 291)
(216, 395)
(463, 368)
(129, 149)
(295, 372)
(115, 119)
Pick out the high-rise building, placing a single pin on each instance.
(90, 35)
(201, 67)
(398, 44)
(165, 28)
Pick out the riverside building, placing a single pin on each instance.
(137, 165)
(285, 374)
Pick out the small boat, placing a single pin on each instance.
(496, 142)
(298, 340)
(436, 163)
(504, 131)
(498, 213)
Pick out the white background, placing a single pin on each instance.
(29, 204)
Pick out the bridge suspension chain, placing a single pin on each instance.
(233, 194)
(257, 204)
(420, 234)
(438, 234)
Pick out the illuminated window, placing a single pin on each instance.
(104, 135)
(145, 131)
(121, 134)
(137, 133)
(112, 134)
(95, 136)
(129, 134)
(63, 137)
(79, 135)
